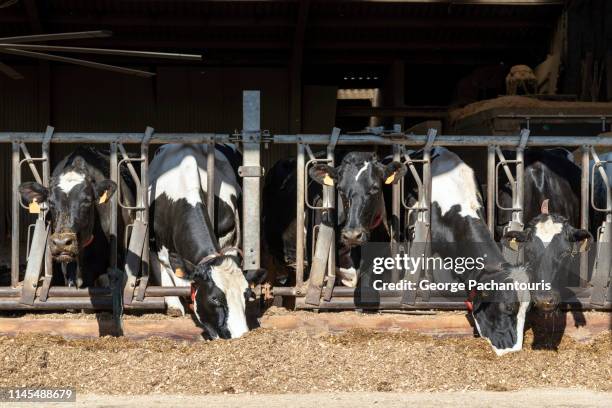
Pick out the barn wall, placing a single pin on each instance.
(178, 99)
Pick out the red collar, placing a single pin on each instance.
(88, 242)
(376, 222)
(468, 302)
(193, 295)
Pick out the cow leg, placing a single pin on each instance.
(165, 276)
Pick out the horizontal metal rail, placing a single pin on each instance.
(63, 291)
(445, 140)
(102, 137)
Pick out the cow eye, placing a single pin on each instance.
(215, 301)
(374, 190)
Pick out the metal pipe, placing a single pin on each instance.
(329, 200)
(584, 212)
(445, 140)
(64, 291)
(30, 161)
(62, 303)
(299, 223)
(144, 214)
(109, 137)
(491, 188)
(395, 216)
(15, 212)
(210, 181)
(113, 206)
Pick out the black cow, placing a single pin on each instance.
(191, 247)
(551, 210)
(359, 180)
(458, 230)
(79, 210)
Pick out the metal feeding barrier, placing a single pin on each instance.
(130, 285)
(594, 293)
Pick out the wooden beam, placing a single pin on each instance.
(297, 58)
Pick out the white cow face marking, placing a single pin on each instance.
(221, 291)
(67, 181)
(547, 229)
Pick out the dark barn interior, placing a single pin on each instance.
(318, 64)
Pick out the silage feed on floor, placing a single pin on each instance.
(297, 361)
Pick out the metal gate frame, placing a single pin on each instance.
(137, 294)
(132, 290)
(599, 296)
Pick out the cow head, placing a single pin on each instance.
(359, 180)
(499, 315)
(220, 292)
(72, 197)
(549, 242)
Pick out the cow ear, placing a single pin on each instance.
(393, 172)
(581, 240)
(33, 192)
(323, 174)
(256, 276)
(104, 190)
(515, 240)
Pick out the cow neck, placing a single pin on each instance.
(194, 237)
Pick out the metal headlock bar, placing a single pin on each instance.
(130, 288)
(344, 297)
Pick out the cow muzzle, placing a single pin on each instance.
(64, 246)
(546, 302)
(354, 236)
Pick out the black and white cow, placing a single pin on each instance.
(551, 210)
(458, 229)
(192, 248)
(78, 198)
(359, 180)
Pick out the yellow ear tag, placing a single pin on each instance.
(390, 179)
(513, 244)
(328, 181)
(103, 197)
(33, 207)
(179, 272)
(584, 244)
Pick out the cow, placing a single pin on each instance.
(359, 180)
(192, 249)
(78, 199)
(458, 229)
(551, 210)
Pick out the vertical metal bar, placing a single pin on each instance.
(210, 186)
(46, 164)
(251, 185)
(144, 200)
(395, 216)
(299, 223)
(584, 212)
(491, 187)
(15, 214)
(113, 203)
(517, 215)
(329, 197)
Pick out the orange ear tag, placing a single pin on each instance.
(103, 198)
(513, 244)
(33, 207)
(179, 272)
(328, 181)
(390, 179)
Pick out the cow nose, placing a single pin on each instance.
(352, 235)
(63, 241)
(546, 301)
